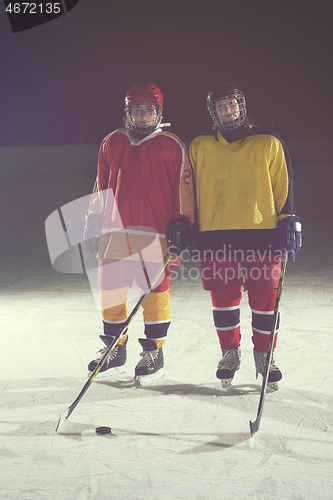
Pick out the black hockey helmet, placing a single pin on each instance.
(226, 105)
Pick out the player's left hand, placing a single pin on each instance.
(178, 235)
(92, 231)
(289, 235)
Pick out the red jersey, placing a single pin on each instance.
(151, 183)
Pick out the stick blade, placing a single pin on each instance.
(61, 419)
(254, 427)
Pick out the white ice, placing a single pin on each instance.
(185, 438)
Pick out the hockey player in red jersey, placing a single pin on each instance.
(243, 180)
(148, 174)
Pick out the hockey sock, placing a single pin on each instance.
(157, 315)
(226, 315)
(262, 303)
(112, 330)
(113, 320)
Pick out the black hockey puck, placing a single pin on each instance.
(103, 430)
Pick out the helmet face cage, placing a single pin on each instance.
(144, 118)
(143, 107)
(228, 111)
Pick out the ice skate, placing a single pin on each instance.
(228, 365)
(274, 373)
(114, 363)
(150, 367)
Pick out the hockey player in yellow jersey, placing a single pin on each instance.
(244, 188)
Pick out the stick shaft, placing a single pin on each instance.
(86, 386)
(254, 426)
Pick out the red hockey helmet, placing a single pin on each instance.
(144, 94)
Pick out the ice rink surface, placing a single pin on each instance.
(185, 438)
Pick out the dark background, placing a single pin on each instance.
(64, 82)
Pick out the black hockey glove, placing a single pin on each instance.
(289, 235)
(178, 235)
(92, 231)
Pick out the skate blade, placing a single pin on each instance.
(273, 386)
(150, 379)
(110, 374)
(226, 382)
